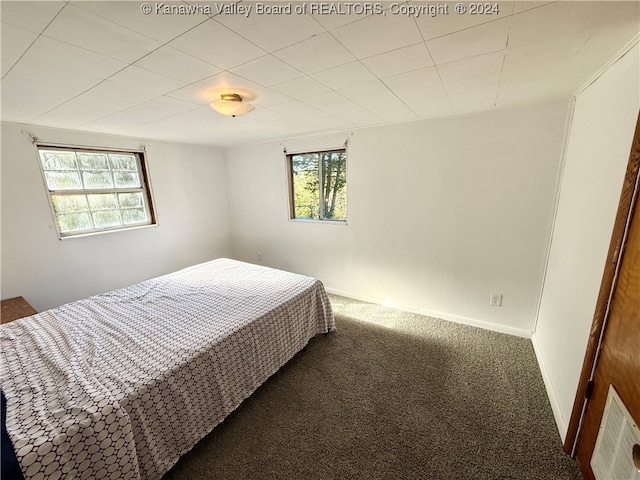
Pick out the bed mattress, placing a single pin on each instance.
(120, 385)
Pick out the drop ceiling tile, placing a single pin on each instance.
(338, 18)
(8, 60)
(225, 82)
(340, 106)
(524, 5)
(158, 25)
(424, 77)
(145, 82)
(265, 114)
(297, 109)
(15, 40)
(80, 110)
(32, 16)
(78, 27)
(486, 38)
(72, 58)
(24, 99)
(399, 61)
(612, 37)
(345, 75)
(469, 85)
(300, 88)
(378, 34)
(271, 31)
(547, 50)
(211, 41)
(379, 100)
(205, 114)
(315, 54)
(472, 66)
(266, 71)
(559, 18)
(544, 81)
(195, 94)
(119, 96)
(470, 102)
(158, 108)
(54, 75)
(268, 96)
(176, 64)
(428, 102)
(441, 25)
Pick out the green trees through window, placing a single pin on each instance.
(318, 185)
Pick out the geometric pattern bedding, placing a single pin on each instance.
(120, 385)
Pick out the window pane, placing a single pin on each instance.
(134, 215)
(123, 162)
(94, 190)
(94, 180)
(334, 185)
(69, 180)
(128, 200)
(69, 203)
(69, 222)
(305, 185)
(103, 201)
(58, 160)
(93, 161)
(126, 179)
(106, 218)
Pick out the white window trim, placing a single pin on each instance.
(290, 196)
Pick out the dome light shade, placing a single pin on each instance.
(231, 104)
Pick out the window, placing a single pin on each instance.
(96, 190)
(318, 185)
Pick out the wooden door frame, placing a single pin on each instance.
(607, 286)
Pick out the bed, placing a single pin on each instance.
(120, 385)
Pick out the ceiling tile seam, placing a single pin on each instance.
(434, 64)
(310, 106)
(120, 60)
(504, 60)
(584, 44)
(79, 5)
(469, 28)
(371, 72)
(45, 27)
(35, 40)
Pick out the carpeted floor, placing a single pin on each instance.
(392, 395)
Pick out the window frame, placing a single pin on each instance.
(290, 183)
(145, 188)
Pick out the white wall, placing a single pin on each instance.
(441, 214)
(190, 192)
(597, 154)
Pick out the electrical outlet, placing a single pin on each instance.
(496, 300)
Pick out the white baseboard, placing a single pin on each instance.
(518, 332)
(553, 399)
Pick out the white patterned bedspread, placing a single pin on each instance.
(120, 385)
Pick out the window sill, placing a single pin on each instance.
(102, 232)
(322, 222)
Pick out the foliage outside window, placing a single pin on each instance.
(318, 182)
(96, 190)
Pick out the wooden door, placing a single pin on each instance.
(613, 355)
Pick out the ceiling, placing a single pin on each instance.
(104, 66)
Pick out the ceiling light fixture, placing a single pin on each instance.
(231, 104)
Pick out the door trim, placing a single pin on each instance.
(607, 286)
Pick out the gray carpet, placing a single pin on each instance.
(392, 395)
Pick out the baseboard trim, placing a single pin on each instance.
(561, 424)
(518, 332)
